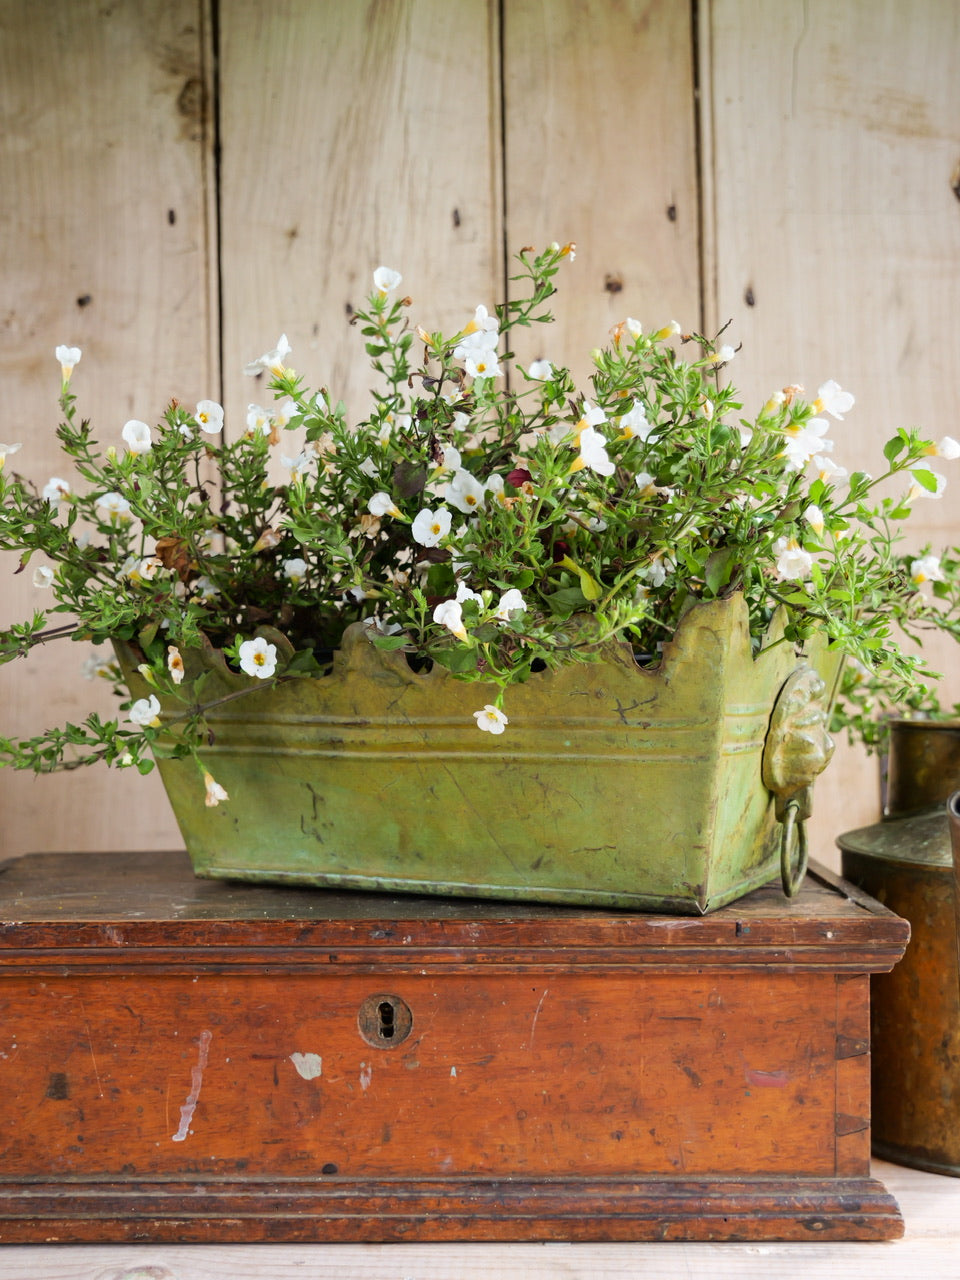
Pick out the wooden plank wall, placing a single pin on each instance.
(833, 226)
(106, 244)
(787, 166)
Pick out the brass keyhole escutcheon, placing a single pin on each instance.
(384, 1021)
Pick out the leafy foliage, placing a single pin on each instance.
(491, 524)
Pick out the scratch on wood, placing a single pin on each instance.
(366, 1075)
(93, 1056)
(767, 1079)
(196, 1080)
(536, 1015)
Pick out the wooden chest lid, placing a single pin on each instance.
(112, 903)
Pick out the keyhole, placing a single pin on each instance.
(384, 1020)
(387, 1024)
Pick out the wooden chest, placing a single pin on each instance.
(192, 1060)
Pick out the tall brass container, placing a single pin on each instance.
(906, 863)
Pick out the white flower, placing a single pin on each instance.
(294, 569)
(646, 484)
(802, 442)
(300, 464)
(136, 436)
(430, 527)
(175, 663)
(482, 322)
(831, 399)
(926, 569)
(511, 602)
(55, 489)
(670, 330)
(483, 365)
(633, 424)
(449, 614)
(495, 486)
(6, 450)
(369, 468)
(480, 337)
(42, 576)
(145, 711)
(114, 504)
(68, 357)
(258, 420)
(814, 518)
(147, 569)
(658, 569)
(593, 453)
(591, 416)
(271, 361)
(827, 469)
(381, 504)
(258, 658)
(491, 719)
(792, 561)
(465, 492)
(451, 460)
(210, 416)
(464, 594)
(215, 793)
(204, 588)
(633, 327)
(540, 370)
(919, 490)
(386, 279)
(723, 355)
(947, 448)
(95, 665)
(283, 411)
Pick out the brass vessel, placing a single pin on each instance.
(906, 862)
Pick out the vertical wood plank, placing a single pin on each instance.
(105, 244)
(353, 135)
(831, 132)
(600, 148)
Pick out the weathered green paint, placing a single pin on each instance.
(613, 785)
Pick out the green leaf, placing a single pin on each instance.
(456, 660)
(566, 601)
(926, 479)
(487, 632)
(146, 635)
(590, 587)
(387, 643)
(719, 568)
(304, 663)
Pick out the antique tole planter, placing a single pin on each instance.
(660, 788)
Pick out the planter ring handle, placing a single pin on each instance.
(792, 878)
(796, 749)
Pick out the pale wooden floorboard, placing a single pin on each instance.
(930, 1250)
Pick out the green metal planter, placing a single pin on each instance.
(677, 788)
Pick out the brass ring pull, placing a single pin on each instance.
(791, 878)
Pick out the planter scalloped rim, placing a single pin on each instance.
(613, 786)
